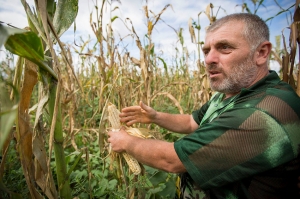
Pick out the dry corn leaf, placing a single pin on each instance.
(135, 61)
(191, 29)
(24, 132)
(41, 104)
(207, 11)
(150, 27)
(41, 168)
(172, 98)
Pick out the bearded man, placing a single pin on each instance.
(244, 142)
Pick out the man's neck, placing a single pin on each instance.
(259, 77)
(228, 95)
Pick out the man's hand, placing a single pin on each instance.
(138, 114)
(118, 140)
(154, 153)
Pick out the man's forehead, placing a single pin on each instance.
(230, 27)
(224, 39)
(225, 34)
(226, 24)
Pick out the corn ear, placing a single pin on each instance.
(113, 117)
(133, 164)
(139, 132)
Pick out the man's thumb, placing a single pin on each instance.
(143, 106)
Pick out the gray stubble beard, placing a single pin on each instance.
(241, 76)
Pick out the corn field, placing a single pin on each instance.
(54, 116)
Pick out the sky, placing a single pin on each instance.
(164, 37)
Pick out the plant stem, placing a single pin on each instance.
(61, 168)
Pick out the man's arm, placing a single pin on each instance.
(180, 123)
(155, 153)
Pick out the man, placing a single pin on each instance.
(244, 142)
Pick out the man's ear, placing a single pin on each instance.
(262, 53)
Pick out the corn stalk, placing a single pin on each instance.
(37, 171)
(64, 11)
(58, 139)
(294, 42)
(289, 74)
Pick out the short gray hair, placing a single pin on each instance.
(255, 31)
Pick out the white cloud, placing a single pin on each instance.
(12, 12)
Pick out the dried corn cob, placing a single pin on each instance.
(113, 116)
(139, 132)
(132, 163)
(114, 119)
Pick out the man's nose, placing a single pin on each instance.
(211, 57)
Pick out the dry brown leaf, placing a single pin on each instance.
(172, 98)
(41, 168)
(207, 12)
(41, 104)
(24, 132)
(42, 7)
(135, 61)
(192, 32)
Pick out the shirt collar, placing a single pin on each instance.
(271, 79)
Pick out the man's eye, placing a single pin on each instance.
(205, 52)
(225, 47)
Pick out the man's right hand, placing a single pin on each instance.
(137, 114)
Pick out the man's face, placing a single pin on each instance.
(229, 61)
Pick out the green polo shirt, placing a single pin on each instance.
(244, 144)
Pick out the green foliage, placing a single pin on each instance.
(65, 15)
(162, 184)
(13, 177)
(8, 113)
(25, 44)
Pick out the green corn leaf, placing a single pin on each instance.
(114, 18)
(65, 15)
(6, 31)
(8, 113)
(29, 46)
